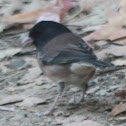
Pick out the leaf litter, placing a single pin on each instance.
(30, 90)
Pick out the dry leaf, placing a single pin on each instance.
(26, 17)
(86, 5)
(113, 29)
(9, 52)
(119, 109)
(30, 77)
(120, 51)
(121, 41)
(9, 9)
(117, 35)
(119, 62)
(29, 11)
(31, 101)
(7, 109)
(123, 6)
(84, 123)
(110, 13)
(108, 30)
(54, 12)
(35, 5)
(12, 89)
(121, 94)
(121, 118)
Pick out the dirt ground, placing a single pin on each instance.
(25, 92)
(24, 88)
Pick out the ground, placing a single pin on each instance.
(25, 92)
(24, 88)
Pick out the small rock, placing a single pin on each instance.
(3, 120)
(17, 117)
(110, 119)
(25, 115)
(10, 89)
(16, 64)
(105, 112)
(101, 93)
(101, 43)
(26, 124)
(121, 118)
(40, 82)
(47, 86)
(92, 90)
(74, 89)
(67, 114)
(59, 113)
(112, 88)
(42, 124)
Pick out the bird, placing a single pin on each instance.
(63, 57)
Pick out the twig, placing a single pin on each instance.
(76, 15)
(73, 16)
(14, 33)
(109, 70)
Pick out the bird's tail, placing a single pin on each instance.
(102, 64)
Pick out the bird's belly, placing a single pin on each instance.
(75, 73)
(81, 73)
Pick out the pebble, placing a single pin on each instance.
(101, 93)
(16, 64)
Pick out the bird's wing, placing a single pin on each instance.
(66, 48)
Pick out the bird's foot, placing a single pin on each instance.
(78, 101)
(46, 113)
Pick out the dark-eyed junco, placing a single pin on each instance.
(63, 56)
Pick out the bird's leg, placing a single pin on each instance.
(61, 87)
(83, 95)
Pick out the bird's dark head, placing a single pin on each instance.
(44, 31)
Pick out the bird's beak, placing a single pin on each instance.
(27, 41)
